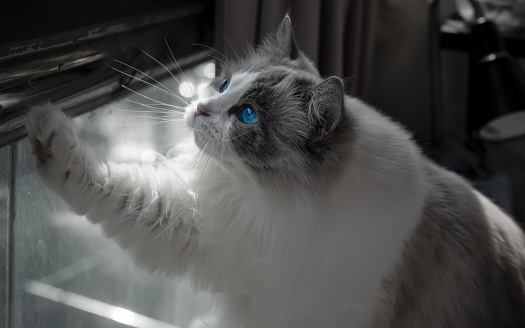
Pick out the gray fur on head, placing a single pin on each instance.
(303, 124)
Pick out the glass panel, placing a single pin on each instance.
(66, 273)
(4, 198)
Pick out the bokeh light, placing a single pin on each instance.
(209, 70)
(187, 89)
(201, 88)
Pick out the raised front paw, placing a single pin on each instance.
(51, 133)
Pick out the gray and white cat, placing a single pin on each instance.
(314, 210)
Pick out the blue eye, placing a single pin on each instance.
(248, 116)
(224, 86)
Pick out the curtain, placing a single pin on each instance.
(379, 47)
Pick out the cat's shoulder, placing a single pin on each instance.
(465, 252)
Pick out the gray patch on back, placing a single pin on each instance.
(456, 269)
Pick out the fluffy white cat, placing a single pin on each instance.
(313, 209)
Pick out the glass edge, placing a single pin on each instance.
(81, 103)
(6, 254)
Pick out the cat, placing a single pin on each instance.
(313, 209)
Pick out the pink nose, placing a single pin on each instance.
(201, 110)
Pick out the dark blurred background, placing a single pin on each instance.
(412, 60)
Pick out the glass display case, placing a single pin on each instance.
(65, 273)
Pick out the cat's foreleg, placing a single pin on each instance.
(146, 209)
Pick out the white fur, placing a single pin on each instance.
(275, 259)
(311, 262)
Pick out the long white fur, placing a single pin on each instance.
(308, 260)
(340, 256)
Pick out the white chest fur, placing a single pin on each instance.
(320, 257)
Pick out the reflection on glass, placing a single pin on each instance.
(66, 273)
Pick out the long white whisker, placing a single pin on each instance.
(174, 61)
(177, 66)
(158, 119)
(143, 124)
(161, 64)
(169, 225)
(136, 69)
(170, 109)
(169, 93)
(202, 174)
(178, 110)
(169, 105)
(216, 58)
(154, 109)
(162, 114)
(230, 45)
(196, 160)
(211, 48)
(157, 115)
(191, 165)
(144, 96)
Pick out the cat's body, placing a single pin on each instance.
(313, 210)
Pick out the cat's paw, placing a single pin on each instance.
(51, 133)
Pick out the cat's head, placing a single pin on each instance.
(272, 114)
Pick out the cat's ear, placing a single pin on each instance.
(327, 105)
(286, 39)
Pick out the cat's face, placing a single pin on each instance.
(270, 112)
